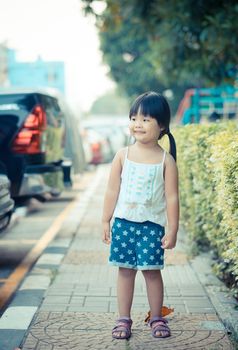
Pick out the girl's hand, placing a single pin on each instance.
(169, 241)
(106, 229)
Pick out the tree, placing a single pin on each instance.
(127, 51)
(129, 59)
(184, 42)
(110, 103)
(195, 41)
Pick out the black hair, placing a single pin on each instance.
(156, 106)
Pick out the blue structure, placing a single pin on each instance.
(212, 104)
(37, 74)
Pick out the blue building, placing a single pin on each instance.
(37, 74)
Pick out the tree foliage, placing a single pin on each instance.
(129, 59)
(110, 103)
(154, 44)
(194, 41)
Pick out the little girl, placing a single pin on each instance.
(142, 195)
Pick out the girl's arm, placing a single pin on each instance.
(111, 195)
(172, 202)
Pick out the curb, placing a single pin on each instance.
(224, 303)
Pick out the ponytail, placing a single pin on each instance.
(172, 146)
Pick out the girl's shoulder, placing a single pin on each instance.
(169, 160)
(121, 154)
(168, 157)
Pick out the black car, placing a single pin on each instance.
(6, 203)
(34, 141)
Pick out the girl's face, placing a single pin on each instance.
(144, 129)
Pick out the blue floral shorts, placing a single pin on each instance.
(136, 245)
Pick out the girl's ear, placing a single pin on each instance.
(162, 128)
(162, 131)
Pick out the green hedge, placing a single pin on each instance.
(208, 171)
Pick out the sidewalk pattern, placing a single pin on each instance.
(72, 330)
(79, 308)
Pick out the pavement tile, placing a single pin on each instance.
(200, 310)
(17, 317)
(59, 291)
(77, 300)
(9, 339)
(198, 302)
(62, 299)
(54, 307)
(60, 242)
(35, 282)
(50, 259)
(56, 250)
(26, 297)
(62, 286)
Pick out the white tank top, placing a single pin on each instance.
(142, 196)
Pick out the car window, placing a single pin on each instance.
(15, 102)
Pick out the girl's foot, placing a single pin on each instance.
(159, 327)
(122, 330)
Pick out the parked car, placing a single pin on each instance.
(111, 130)
(97, 147)
(34, 139)
(6, 203)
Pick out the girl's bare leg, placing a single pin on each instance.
(155, 292)
(125, 292)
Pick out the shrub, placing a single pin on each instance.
(208, 170)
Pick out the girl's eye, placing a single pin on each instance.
(146, 120)
(133, 119)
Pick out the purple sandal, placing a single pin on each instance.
(159, 324)
(122, 325)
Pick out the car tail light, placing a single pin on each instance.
(95, 147)
(96, 153)
(30, 139)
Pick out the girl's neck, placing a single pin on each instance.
(149, 145)
(148, 153)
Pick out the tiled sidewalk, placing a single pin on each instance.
(79, 307)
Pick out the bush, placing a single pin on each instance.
(208, 170)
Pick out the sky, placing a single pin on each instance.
(58, 30)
